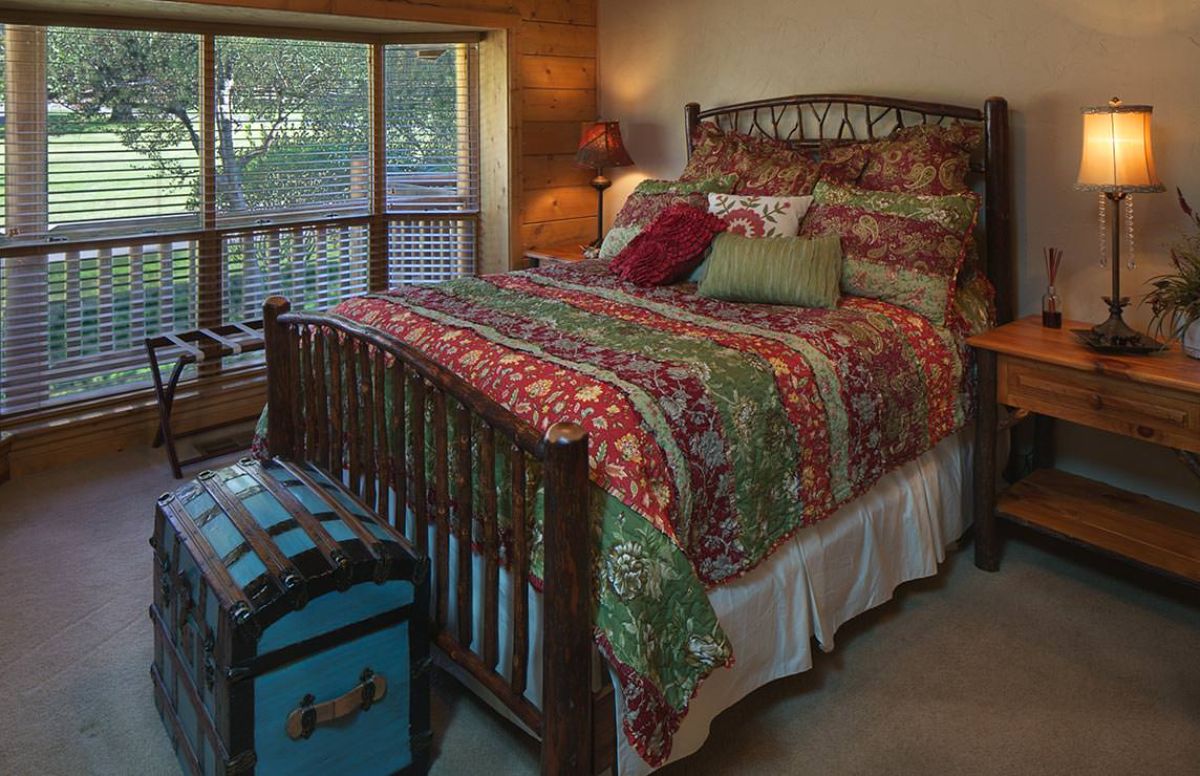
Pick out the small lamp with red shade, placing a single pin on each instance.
(601, 147)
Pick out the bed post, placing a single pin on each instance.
(998, 215)
(567, 597)
(691, 117)
(280, 384)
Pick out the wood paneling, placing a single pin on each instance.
(550, 137)
(555, 232)
(112, 425)
(567, 11)
(546, 172)
(5, 450)
(559, 204)
(564, 40)
(558, 104)
(539, 72)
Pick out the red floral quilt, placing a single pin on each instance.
(717, 431)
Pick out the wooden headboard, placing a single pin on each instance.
(806, 120)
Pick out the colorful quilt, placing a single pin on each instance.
(717, 431)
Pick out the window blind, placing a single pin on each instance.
(99, 132)
(102, 147)
(293, 127)
(431, 122)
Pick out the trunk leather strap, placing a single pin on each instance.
(304, 719)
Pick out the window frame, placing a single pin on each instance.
(214, 229)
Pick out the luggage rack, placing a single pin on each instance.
(194, 346)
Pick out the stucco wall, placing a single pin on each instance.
(1047, 57)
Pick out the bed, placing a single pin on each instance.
(573, 453)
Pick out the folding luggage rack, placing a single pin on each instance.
(194, 346)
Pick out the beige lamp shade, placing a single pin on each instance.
(1117, 154)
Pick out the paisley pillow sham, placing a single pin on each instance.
(905, 249)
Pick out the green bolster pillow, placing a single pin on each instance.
(797, 271)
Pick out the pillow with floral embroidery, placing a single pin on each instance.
(669, 248)
(768, 167)
(922, 159)
(652, 197)
(905, 249)
(752, 216)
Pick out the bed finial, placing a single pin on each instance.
(691, 115)
(280, 382)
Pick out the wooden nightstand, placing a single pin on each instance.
(564, 254)
(1045, 373)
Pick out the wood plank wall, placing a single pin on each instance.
(555, 90)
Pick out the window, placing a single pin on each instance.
(156, 181)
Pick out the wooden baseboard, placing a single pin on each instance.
(108, 426)
(5, 451)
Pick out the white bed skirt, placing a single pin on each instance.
(826, 574)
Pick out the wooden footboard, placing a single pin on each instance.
(353, 400)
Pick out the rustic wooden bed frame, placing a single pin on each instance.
(318, 364)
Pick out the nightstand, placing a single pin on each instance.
(1047, 374)
(566, 253)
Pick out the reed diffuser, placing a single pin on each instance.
(1051, 304)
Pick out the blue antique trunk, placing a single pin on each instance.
(290, 627)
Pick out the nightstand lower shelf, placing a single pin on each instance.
(1147, 532)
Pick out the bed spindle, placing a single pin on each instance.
(520, 573)
(321, 398)
(366, 430)
(420, 495)
(350, 370)
(337, 442)
(463, 495)
(308, 380)
(398, 468)
(296, 397)
(441, 507)
(491, 547)
(383, 459)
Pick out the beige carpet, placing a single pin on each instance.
(1058, 664)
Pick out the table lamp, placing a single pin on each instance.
(1117, 161)
(600, 146)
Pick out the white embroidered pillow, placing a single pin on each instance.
(760, 216)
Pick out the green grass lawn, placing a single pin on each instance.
(93, 176)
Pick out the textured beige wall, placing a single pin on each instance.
(1047, 57)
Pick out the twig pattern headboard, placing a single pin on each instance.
(806, 120)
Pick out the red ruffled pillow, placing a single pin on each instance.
(669, 249)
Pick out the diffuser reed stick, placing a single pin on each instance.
(1051, 304)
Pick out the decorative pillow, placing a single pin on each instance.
(766, 166)
(796, 271)
(669, 248)
(760, 216)
(902, 248)
(922, 159)
(652, 197)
